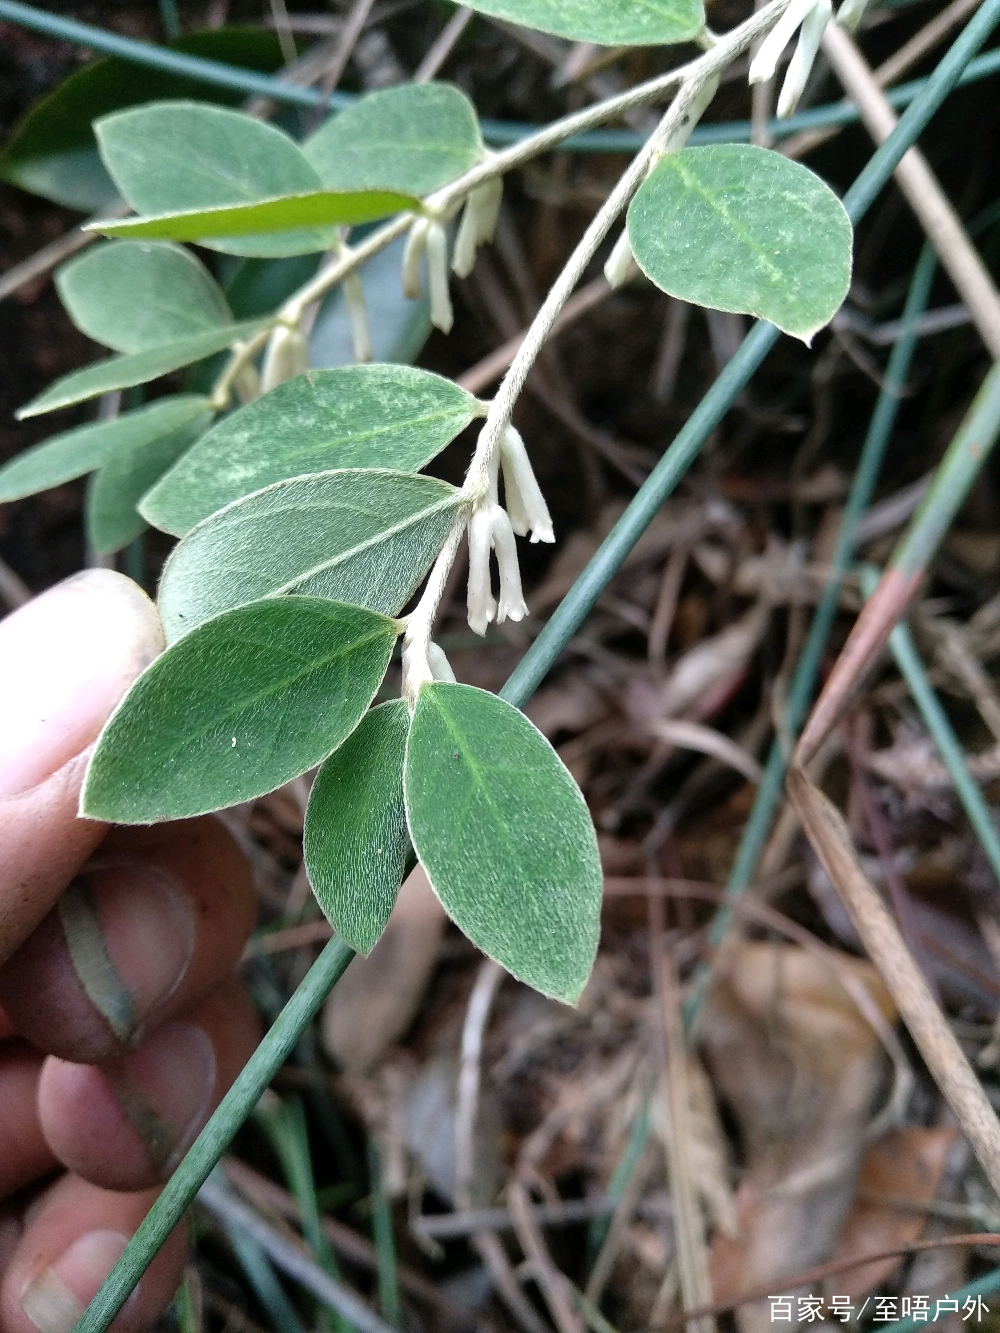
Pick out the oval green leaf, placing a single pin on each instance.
(245, 703)
(505, 836)
(414, 138)
(171, 156)
(741, 228)
(608, 22)
(134, 295)
(122, 372)
(77, 452)
(349, 417)
(53, 152)
(242, 229)
(361, 536)
(111, 515)
(355, 838)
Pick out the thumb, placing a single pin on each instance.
(66, 658)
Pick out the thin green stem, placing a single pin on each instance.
(936, 720)
(213, 1140)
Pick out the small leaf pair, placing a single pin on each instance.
(497, 821)
(258, 695)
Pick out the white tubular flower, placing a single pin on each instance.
(287, 355)
(524, 495)
(357, 314)
(512, 603)
(482, 607)
(439, 664)
(463, 257)
(442, 315)
(620, 265)
(801, 63)
(416, 244)
(765, 62)
(479, 222)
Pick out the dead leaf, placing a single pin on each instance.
(905, 1163)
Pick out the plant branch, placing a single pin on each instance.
(497, 164)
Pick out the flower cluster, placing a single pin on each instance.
(809, 18)
(428, 236)
(492, 528)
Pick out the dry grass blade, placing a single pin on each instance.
(694, 736)
(689, 1230)
(831, 840)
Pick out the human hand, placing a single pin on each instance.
(121, 1024)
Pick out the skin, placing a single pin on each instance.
(121, 1021)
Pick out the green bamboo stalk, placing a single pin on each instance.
(322, 976)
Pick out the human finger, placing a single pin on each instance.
(148, 927)
(66, 658)
(69, 1241)
(126, 1124)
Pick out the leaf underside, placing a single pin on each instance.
(365, 537)
(607, 22)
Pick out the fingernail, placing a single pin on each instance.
(58, 1297)
(165, 1088)
(66, 658)
(130, 933)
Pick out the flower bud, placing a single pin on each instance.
(416, 244)
(247, 383)
(442, 316)
(512, 603)
(765, 62)
(287, 355)
(801, 63)
(620, 264)
(523, 494)
(439, 664)
(850, 13)
(478, 224)
(357, 314)
(482, 607)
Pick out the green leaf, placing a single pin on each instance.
(414, 138)
(350, 417)
(245, 703)
(251, 229)
(361, 536)
(140, 294)
(608, 22)
(505, 837)
(742, 228)
(76, 452)
(172, 156)
(355, 839)
(122, 372)
(111, 516)
(53, 152)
